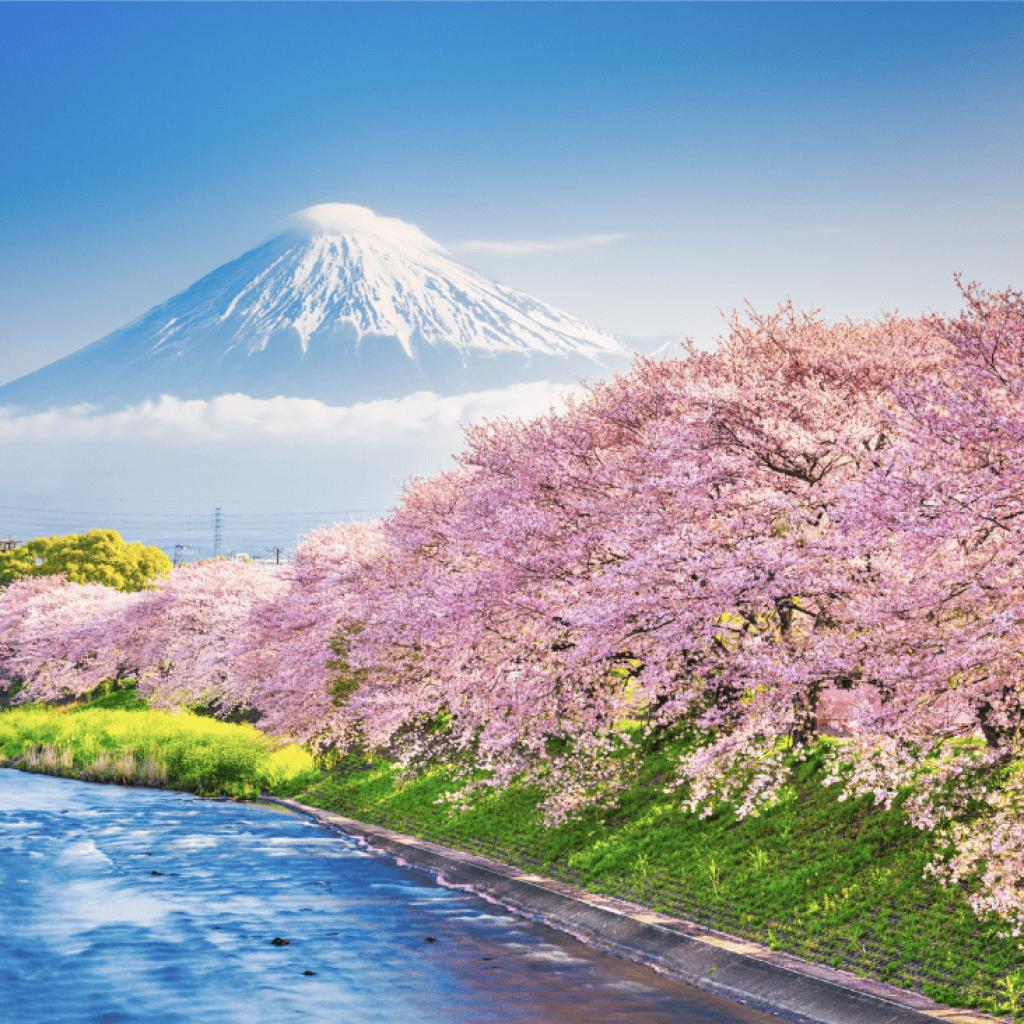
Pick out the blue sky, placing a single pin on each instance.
(852, 156)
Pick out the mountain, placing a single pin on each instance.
(342, 306)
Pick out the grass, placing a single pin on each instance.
(839, 883)
(117, 738)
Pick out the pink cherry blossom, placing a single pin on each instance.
(709, 543)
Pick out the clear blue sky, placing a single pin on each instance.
(852, 155)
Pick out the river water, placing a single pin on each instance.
(130, 905)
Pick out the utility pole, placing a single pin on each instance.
(178, 549)
(218, 526)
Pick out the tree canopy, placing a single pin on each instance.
(705, 546)
(99, 556)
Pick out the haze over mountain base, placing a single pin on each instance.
(276, 467)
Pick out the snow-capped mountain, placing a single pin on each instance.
(342, 306)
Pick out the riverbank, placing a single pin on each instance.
(838, 885)
(841, 885)
(744, 971)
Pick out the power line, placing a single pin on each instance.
(323, 513)
(176, 533)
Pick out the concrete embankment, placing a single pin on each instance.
(731, 967)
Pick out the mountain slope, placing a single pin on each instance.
(342, 306)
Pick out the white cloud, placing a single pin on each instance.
(536, 247)
(347, 219)
(241, 418)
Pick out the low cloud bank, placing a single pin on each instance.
(143, 468)
(238, 418)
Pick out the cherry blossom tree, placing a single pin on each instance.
(290, 660)
(708, 544)
(52, 633)
(662, 551)
(60, 638)
(187, 627)
(945, 640)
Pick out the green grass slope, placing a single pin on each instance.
(834, 882)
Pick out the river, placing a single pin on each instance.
(132, 905)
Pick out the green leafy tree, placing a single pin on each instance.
(99, 556)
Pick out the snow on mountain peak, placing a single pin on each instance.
(342, 305)
(349, 219)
